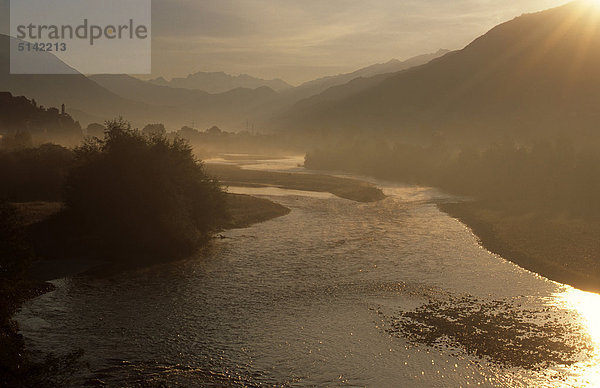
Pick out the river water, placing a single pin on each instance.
(325, 296)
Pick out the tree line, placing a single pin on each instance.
(548, 176)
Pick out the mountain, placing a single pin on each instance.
(100, 98)
(220, 82)
(74, 90)
(536, 75)
(359, 79)
(230, 109)
(319, 85)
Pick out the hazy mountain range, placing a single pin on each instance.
(75, 90)
(537, 74)
(101, 97)
(138, 101)
(220, 82)
(180, 106)
(321, 84)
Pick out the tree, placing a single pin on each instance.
(154, 130)
(214, 131)
(142, 195)
(95, 130)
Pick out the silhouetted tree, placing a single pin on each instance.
(142, 195)
(154, 130)
(214, 131)
(34, 174)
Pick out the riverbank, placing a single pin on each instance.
(563, 249)
(243, 211)
(346, 188)
(15, 368)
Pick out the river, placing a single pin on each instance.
(329, 295)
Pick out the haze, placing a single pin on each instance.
(305, 193)
(300, 40)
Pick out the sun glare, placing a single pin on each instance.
(587, 307)
(593, 3)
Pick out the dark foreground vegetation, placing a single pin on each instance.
(125, 195)
(536, 205)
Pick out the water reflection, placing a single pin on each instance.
(296, 301)
(586, 309)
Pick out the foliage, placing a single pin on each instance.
(95, 130)
(34, 174)
(14, 252)
(18, 114)
(140, 195)
(154, 130)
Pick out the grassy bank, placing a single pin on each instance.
(560, 248)
(351, 189)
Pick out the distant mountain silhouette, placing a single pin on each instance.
(360, 79)
(96, 99)
(220, 82)
(537, 74)
(229, 110)
(319, 85)
(74, 90)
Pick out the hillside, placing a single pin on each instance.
(99, 98)
(320, 85)
(336, 85)
(229, 110)
(20, 116)
(74, 90)
(537, 74)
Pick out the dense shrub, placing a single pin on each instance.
(34, 174)
(14, 250)
(142, 195)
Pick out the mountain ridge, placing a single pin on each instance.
(220, 82)
(518, 76)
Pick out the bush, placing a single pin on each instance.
(14, 249)
(142, 196)
(34, 174)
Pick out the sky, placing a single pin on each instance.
(300, 40)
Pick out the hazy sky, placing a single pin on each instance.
(299, 40)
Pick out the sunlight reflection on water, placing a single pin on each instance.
(586, 305)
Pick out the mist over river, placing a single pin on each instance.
(319, 298)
